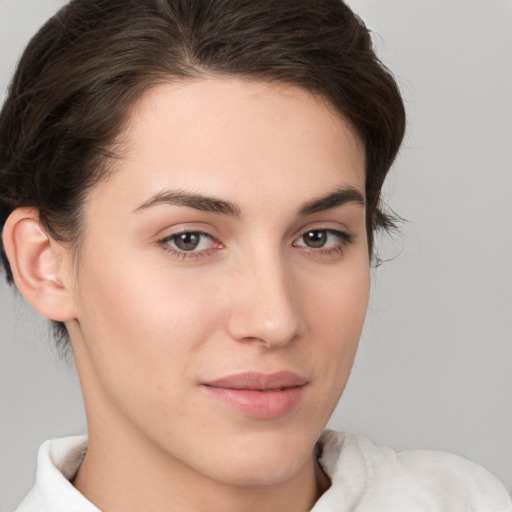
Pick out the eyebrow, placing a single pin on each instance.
(337, 198)
(197, 201)
(204, 203)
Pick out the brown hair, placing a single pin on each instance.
(89, 63)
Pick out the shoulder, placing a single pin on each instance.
(445, 474)
(379, 478)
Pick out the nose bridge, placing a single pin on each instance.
(265, 308)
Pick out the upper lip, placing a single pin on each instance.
(256, 381)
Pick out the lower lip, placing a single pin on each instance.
(259, 404)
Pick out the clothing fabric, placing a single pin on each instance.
(365, 478)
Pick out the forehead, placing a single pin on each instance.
(205, 134)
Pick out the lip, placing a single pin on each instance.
(259, 395)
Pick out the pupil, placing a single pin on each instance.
(187, 241)
(315, 239)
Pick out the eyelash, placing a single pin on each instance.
(192, 254)
(345, 240)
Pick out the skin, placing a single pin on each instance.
(149, 323)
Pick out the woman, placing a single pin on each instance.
(190, 192)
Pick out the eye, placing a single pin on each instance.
(324, 239)
(188, 242)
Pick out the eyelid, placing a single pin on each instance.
(177, 228)
(163, 242)
(332, 227)
(345, 239)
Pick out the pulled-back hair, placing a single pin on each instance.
(85, 68)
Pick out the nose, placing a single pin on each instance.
(263, 307)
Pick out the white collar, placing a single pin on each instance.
(57, 463)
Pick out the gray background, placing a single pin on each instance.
(434, 367)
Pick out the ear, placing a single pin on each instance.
(42, 267)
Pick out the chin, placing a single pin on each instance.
(260, 473)
(261, 460)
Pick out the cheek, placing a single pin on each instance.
(142, 330)
(336, 315)
(130, 301)
(337, 303)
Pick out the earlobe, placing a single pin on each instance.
(39, 264)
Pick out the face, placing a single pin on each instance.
(223, 278)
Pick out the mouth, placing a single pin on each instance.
(259, 395)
